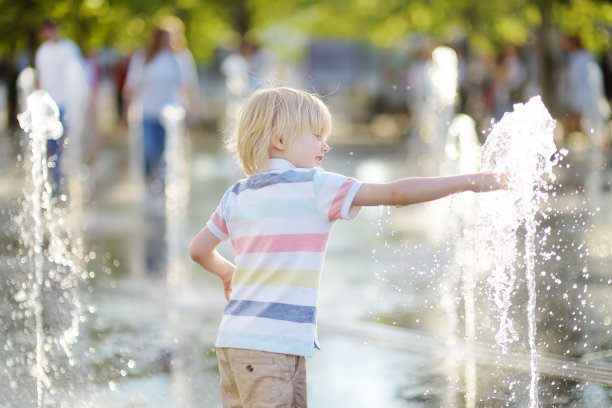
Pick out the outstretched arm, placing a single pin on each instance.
(203, 250)
(421, 189)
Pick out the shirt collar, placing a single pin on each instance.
(279, 164)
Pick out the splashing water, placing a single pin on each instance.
(522, 145)
(47, 250)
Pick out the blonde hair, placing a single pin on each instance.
(282, 113)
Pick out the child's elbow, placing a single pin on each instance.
(202, 247)
(194, 254)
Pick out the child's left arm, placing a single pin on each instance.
(421, 189)
(203, 250)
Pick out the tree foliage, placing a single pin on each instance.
(210, 24)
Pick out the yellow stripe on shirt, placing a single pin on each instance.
(282, 277)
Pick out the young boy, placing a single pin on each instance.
(278, 220)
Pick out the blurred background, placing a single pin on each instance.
(362, 50)
(130, 321)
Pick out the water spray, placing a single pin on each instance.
(47, 241)
(522, 145)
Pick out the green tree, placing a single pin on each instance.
(280, 24)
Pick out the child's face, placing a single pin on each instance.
(308, 150)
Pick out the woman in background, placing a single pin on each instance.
(153, 81)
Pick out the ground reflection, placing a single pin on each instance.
(384, 332)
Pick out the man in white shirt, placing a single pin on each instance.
(589, 110)
(58, 63)
(586, 97)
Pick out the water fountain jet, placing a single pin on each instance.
(521, 144)
(48, 244)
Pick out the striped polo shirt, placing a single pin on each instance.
(278, 223)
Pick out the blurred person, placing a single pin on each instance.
(260, 65)
(278, 221)
(153, 81)
(417, 80)
(508, 74)
(432, 82)
(235, 68)
(119, 74)
(589, 110)
(419, 98)
(59, 67)
(474, 88)
(93, 75)
(189, 71)
(606, 66)
(246, 70)
(531, 57)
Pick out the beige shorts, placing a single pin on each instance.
(259, 379)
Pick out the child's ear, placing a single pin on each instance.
(277, 142)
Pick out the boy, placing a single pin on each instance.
(278, 221)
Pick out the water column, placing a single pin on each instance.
(522, 145)
(462, 155)
(48, 245)
(136, 185)
(443, 75)
(176, 190)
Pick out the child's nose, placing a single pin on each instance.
(325, 147)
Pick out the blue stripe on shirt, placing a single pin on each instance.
(267, 179)
(278, 311)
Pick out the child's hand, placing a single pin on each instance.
(490, 181)
(203, 251)
(226, 278)
(227, 287)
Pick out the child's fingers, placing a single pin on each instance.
(492, 181)
(228, 290)
(503, 180)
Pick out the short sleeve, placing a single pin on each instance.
(217, 223)
(335, 194)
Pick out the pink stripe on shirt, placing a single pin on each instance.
(219, 222)
(281, 243)
(335, 210)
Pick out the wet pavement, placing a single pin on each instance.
(148, 342)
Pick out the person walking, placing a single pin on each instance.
(585, 90)
(153, 81)
(589, 111)
(58, 62)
